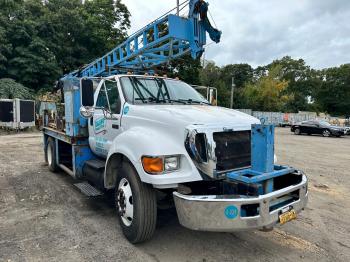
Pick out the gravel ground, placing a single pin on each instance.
(43, 217)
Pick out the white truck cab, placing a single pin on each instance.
(146, 116)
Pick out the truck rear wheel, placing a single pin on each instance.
(50, 155)
(136, 205)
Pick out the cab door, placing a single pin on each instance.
(104, 126)
(314, 128)
(307, 127)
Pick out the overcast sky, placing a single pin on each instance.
(259, 31)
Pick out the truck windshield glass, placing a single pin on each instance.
(141, 90)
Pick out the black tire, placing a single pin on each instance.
(143, 202)
(297, 131)
(50, 155)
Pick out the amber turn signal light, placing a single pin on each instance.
(153, 165)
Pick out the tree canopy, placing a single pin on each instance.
(10, 89)
(333, 92)
(268, 92)
(41, 40)
(286, 84)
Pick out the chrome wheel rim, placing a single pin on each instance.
(49, 155)
(125, 202)
(326, 133)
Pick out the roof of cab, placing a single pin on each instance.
(143, 76)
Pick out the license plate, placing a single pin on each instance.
(287, 216)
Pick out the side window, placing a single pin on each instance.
(113, 97)
(312, 123)
(102, 98)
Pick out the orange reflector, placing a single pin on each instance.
(152, 164)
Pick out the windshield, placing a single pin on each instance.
(324, 123)
(141, 90)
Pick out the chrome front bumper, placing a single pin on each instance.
(223, 213)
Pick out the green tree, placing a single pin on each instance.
(211, 75)
(41, 40)
(28, 59)
(267, 93)
(242, 74)
(300, 79)
(7, 13)
(185, 68)
(333, 94)
(10, 89)
(94, 28)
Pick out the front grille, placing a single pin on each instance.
(201, 146)
(232, 150)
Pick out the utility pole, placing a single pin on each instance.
(178, 7)
(232, 89)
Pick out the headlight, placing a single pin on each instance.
(171, 163)
(157, 165)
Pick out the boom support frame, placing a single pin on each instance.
(167, 38)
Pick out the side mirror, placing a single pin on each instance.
(87, 92)
(86, 111)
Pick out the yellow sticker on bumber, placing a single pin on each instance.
(287, 216)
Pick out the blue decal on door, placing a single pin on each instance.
(101, 144)
(126, 110)
(100, 124)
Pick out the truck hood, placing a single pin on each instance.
(184, 115)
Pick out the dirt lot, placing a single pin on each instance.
(43, 217)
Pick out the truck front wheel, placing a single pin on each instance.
(136, 205)
(50, 155)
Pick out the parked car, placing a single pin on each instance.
(318, 128)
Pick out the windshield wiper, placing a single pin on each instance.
(165, 100)
(159, 101)
(190, 101)
(152, 100)
(176, 101)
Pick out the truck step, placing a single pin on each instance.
(88, 189)
(96, 163)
